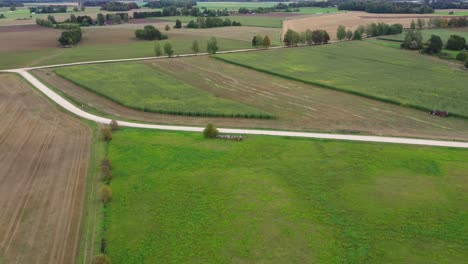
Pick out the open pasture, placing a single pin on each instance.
(456, 12)
(444, 34)
(296, 106)
(280, 200)
(140, 87)
(370, 70)
(44, 163)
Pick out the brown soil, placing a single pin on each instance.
(27, 37)
(44, 163)
(297, 106)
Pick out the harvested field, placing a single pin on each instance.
(18, 38)
(351, 20)
(44, 163)
(297, 106)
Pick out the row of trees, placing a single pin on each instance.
(149, 32)
(382, 7)
(119, 6)
(48, 9)
(168, 50)
(293, 38)
(165, 3)
(211, 22)
(414, 41)
(259, 41)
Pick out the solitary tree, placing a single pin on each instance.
(349, 34)
(168, 49)
(125, 17)
(291, 38)
(195, 46)
(212, 46)
(12, 8)
(412, 24)
(341, 32)
(167, 28)
(101, 259)
(455, 42)
(210, 131)
(266, 42)
(106, 194)
(178, 24)
(259, 39)
(157, 49)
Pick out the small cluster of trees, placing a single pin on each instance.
(293, 38)
(48, 9)
(453, 22)
(342, 33)
(70, 37)
(149, 32)
(11, 4)
(211, 22)
(259, 41)
(168, 49)
(119, 6)
(45, 22)
(382, 7)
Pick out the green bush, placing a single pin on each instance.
(466, 64)
(455, 42)
(210, 131)
(462, 56)
(149, 32)
(101, 259)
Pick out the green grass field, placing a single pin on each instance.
(247, 20)
(179, 198)
(462, 12)
(181, 45)
(234, 5)
(444, 34)
(143, 88)
(368, 69)
(318, 10)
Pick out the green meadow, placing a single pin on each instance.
(245, 20)
(368, 69)
(143, 88)
(180, 198)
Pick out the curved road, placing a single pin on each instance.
(77, 111)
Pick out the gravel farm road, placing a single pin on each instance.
(77, 111)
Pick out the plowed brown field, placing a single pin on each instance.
(44, 162)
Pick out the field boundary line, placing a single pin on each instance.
(379, 139)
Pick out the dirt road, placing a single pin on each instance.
(44, 163)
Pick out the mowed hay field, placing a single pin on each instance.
(143, 88)
(44, 164)
(180, 198)
(368, 69)
(295, 105)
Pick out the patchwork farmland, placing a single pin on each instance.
(282, 139)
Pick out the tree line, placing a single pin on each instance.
(119, 6)
(211, 22)
(382, 7)
(48, 9)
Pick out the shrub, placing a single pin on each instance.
(100, 259)
(168, 49)
(192, 24)
(106, 172)
(106, 133)
(114, 125)
(106, 194)
(349, 34)
(434, 45)
(341, 32)
(149, 32)
(413, 40)
(195, 46)
(210, 131)
(456, 42)
(462, 56)
(2, 16)
(167, 28)
(466, 64)
(178, 24)
(70, 37)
